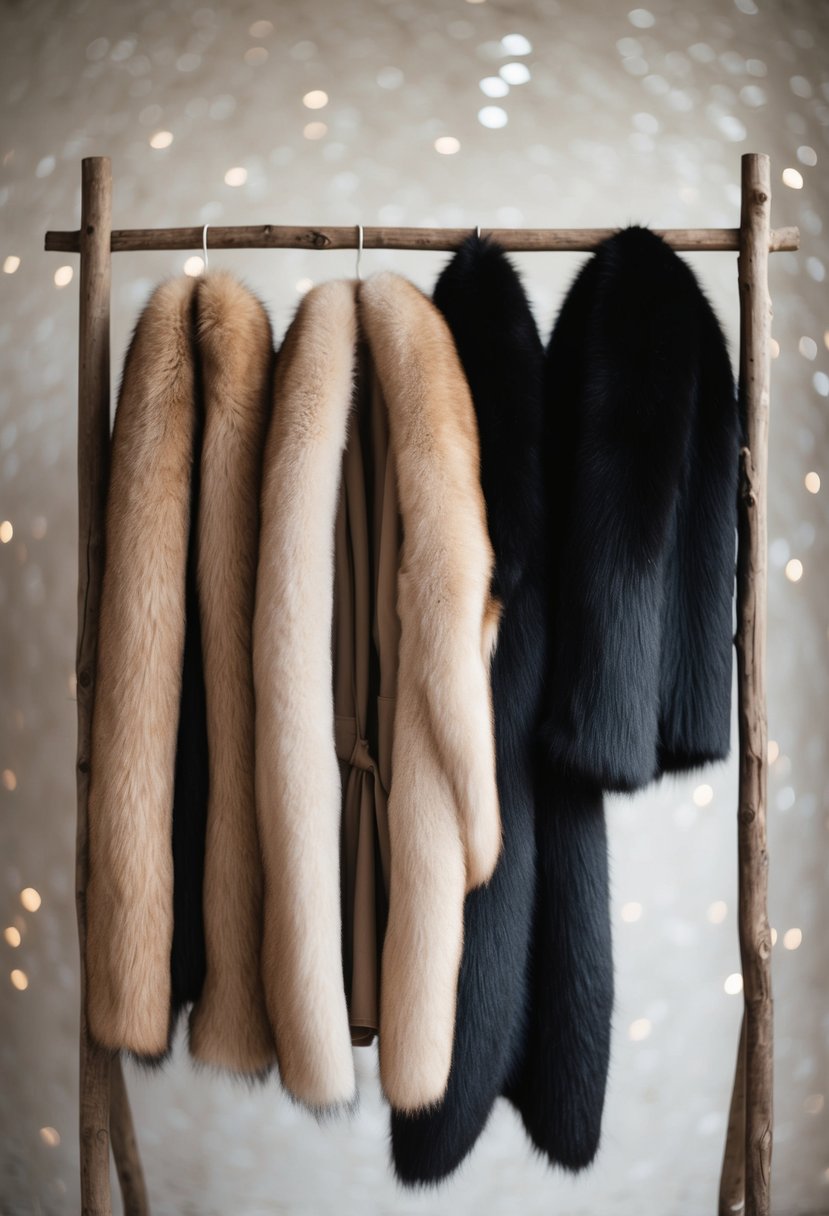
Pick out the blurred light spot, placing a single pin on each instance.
(813, 1104)
(773, 751)
(315, 130)
(260, 29)
(236, 176)
(9, 779)
(161, 139)
(516, 44)
(317, 99)
(492, 117)
(794, 570)
(493, 86)
(746, 6)
(194, 266)
(806, 155)
(11, 264)
(39, 527)
(639, 1030)
(12, 936)
(6, 531)
(793, 179)
(19, 979)
(733, 984)
(641, 18)
(50, 1136)
(189, 62)
(717, 911)
(255, 55)
(515, 73)
(752, 95)
(786, 798)
(812, 482)
(63, 276)
(775, 348)
(817, 271)
(390, 78)
(732, 128)
(792, 939)
(800, 86)
(807, 348)
(30, 899)
(773, 937)
(703, 795)
(447, 145)
(631, 912)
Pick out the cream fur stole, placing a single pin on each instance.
(443, 810)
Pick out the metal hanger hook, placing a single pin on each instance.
(359, 248)
(204, 244)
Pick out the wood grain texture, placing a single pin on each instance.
(125, 1147)
(515, 240)
(93, 455)
(755, 936)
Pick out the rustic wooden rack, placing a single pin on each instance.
(104, 1105)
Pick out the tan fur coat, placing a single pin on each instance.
(201, 348)
(443, 815)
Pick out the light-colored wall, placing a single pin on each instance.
(627, 116)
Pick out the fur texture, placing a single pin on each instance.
(444, 825)
(559, 1086)
(129, 898)
(229, 1025)
(489, 316)
(443, 809)
(297, 775)
(641, 384)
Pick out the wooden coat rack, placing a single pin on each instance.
(104, 1105)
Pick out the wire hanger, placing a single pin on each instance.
(204, 246)
(359, 249)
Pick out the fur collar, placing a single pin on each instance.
(443, 809)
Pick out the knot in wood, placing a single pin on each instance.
(319, 240)
(84, 678)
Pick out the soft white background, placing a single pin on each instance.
(627, 116)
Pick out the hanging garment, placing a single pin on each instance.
(640, 383)
(171, 794)
(641, 464)
(489, 316)
(443, 821)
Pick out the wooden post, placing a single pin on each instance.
(93, 458)
(755, 936)
(125, 1147)
(733, 1176)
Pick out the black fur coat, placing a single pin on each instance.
(610, 477)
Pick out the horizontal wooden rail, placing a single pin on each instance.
(517, 240)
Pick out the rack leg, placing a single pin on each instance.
(93, 455)
(125, 1146)
(733, 1176)
(755, 937)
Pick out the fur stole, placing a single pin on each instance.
(485, 307)
(443, 810)
(173, 661)
(645, 493)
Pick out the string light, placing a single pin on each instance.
(792, 939)
(717, 911)
(317, 99)
(639, 1030)
(812, 482)
(19, 979)
(631, 912)
(50, 1136)
(12, 936)
(447, 145)
(161, 139)
(237, 176)
(733, 984)
(11, 264)
(30, 899)
(63, 276)
(9, 779)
